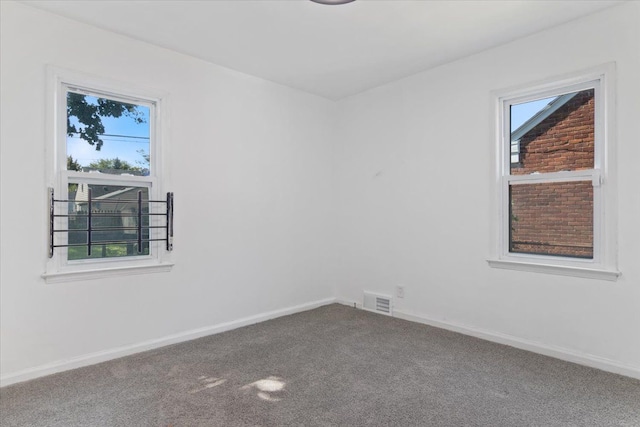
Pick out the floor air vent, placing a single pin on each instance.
(377, 303)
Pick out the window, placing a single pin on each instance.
(554, 191)
(108, 212)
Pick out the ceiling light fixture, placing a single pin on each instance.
(332, 2)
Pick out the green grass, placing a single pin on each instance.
(110, 251)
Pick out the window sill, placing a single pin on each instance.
(75, 275)
(561, 270)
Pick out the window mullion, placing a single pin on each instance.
(97, 179)
(564, 176)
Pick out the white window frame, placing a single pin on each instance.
(59, 82)
(603, 265)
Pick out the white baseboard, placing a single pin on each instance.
(523, 344)
(102, 356)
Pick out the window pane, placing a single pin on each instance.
(107, 136)
(552, 219)
(553, 134)
(114, 212)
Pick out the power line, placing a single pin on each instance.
(77, 139)
(119, 136)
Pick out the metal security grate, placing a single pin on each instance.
(140, 217)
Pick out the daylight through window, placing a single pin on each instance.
(106, 137)
(550, 216)
(555, 194)
(109, 213)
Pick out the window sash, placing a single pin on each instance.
(62, 223)
(507, 102)
(557, 177)
(61, 123)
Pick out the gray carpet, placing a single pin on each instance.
(333, 366)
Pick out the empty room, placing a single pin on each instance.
(320, 213)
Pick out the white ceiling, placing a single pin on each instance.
(331, 51)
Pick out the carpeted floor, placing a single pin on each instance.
(333, 366)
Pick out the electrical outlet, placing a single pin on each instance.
(400, 291)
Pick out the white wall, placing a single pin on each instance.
(251, 171)
(414, 167)
(281, 203)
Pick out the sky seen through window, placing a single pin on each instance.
(123, 138)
